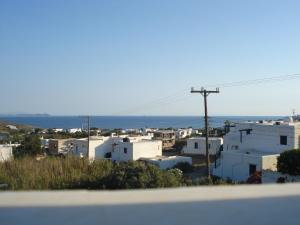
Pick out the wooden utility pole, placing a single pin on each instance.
(88, 145)
(205, 93)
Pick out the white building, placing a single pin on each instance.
(165, 162)
(130, 150)
(183, 133)
(99, 147)
(74, 130)
(6, 153)
(255, 146)
(57, 130)
(59, 146)
(197, 146)
(12, 127)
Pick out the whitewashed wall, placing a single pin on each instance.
(6, 153)
(98, 146)
(215, 144)
(170, 162)
(235, 165)
(269, 176)
(136, 150)
(263, 137)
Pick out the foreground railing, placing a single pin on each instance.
(264, 204)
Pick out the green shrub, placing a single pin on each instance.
(289, 162)
(141, 175)
(30, 146)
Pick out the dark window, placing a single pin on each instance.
(209, 146)
(234, 147)
(283, 140)
(125, 150)
(196, 145)
(252, 169)
(248, 132)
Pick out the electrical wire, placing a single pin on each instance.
(183, 94)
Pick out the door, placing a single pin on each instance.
(252, 169)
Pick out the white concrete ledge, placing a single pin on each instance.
(194, 194)
(262, 204)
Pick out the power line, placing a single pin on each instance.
(170, 99)
(257, 81)
(178, 95)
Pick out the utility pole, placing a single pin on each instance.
(88, 145)
(205, 93)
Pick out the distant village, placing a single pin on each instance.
(237, 150)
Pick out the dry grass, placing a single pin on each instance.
(51, 173)
(75, 173)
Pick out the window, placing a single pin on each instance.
(125, 150)
(283, 140)
(234, 147)
(196, 145)
(248, 132)
(209, 146)
(252, 169)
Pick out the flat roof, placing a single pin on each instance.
(251, 152)
(210, 138)
(164, 131)
(164, 157)
(271, 122)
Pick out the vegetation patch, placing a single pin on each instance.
(74, 173)
(289, 162)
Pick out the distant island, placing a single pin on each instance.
(26, 115)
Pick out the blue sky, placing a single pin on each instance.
(126, 57)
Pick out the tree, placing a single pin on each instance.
(289, 162)
(31, 146)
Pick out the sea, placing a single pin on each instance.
(127, 122)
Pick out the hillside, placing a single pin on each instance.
(4, 128)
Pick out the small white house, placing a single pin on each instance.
(255, 146)
(130, 150)
(57, 130)
(12, 127)
(99, 146)
(167, 162)
(6, 153)
(183, 133)
(74, 130)
(197, 146)
(240, 165)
